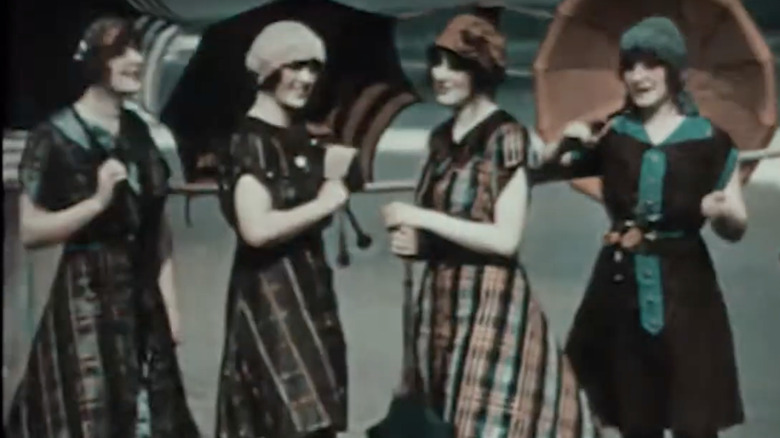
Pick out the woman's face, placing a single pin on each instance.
(647, 84)
(296, 82)
(452, 87)
(125, 70)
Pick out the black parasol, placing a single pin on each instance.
(362, 88)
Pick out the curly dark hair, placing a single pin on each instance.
(104, 39)
(483, 81)
(674, 79)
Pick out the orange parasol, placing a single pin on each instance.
(731, 71)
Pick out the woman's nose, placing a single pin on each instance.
(636, 73)
(439, 72)
(307, 75)
(134, 55)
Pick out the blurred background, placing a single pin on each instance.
(561, 239)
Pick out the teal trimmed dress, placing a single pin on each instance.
(651, 341)
(103, 345)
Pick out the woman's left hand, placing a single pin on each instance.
(403, 242)
(715, 204)
(397, 214)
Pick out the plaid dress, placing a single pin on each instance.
(284, 369)
(105, 319)
(486, 358)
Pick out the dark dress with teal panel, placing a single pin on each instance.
(104, 336)
(651, 341)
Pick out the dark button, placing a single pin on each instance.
(618, 278)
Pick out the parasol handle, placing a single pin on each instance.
(408, 372)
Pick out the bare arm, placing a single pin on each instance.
(590, 187)
(260, 225)
(502, 237)
(167, 279)
(726, 210)
(40, 227)
(573, 156)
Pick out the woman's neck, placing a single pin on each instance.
(101, 103)
(666, 110)
(268, 109)
(101, 107)
(472, 113)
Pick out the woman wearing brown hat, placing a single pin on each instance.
(487, 360)
(93, 180)
(284, 365)
(651, 341)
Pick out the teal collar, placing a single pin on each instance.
(65, 121)
(691, 128)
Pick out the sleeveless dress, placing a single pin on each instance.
(105, 321)
(487, 361)
(651, 341)
(284, 364)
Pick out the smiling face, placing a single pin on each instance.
(453, 84)
(124, 71)
(649, 81)
(295, 83)
(647, 85)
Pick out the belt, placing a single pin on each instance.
(630, 237)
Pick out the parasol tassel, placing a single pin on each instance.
(363, 239)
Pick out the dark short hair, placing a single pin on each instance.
(104, 39)
(629, 58)
(270, 83)
(483, 81)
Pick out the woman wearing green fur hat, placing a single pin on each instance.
(651, 342)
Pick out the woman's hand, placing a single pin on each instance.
(580, 131)
(333, 193)
(715, 205)
(110, 173)
(403, 241)
(398, 214)
(726, 211)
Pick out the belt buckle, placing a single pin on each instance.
(632, 238)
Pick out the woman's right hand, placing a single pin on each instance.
(110, 173)
(580, 131)
(333, 193)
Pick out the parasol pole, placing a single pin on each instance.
(752, 156)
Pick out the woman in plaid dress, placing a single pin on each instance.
(93, 180)
(486, 358)
(284, 370)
